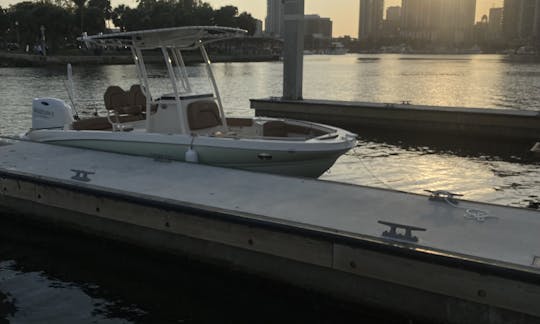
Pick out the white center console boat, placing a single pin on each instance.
(185, 125)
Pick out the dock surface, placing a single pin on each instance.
(299, 216)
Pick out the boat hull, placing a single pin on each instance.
(292, 158)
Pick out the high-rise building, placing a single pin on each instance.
(495, 23)
(317, 32)
(274, 25)
(526, 19)
(371, 18)
(536, 27)
(521, 19)
(420, 19)
(393, 14)
(511, 18)
(457, 20)
(447, 21)
(392, 22)
(258, 28)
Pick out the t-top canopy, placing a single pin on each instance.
(178, 37)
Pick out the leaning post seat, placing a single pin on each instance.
(122, 105)
(203, 114)
(137, 99)
(120, 101)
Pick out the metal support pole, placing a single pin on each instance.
(293, 51)
(207, 62)
(174, 85)
(139, 61)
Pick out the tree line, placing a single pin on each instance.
(65, 20)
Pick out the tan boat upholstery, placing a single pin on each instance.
(122, 107)
(137, 99)
(275, 128)
(120, 103)
(101, 123)
(240, 122)
(304, 130)
(203, 114)
(96, 123)
(118, 100)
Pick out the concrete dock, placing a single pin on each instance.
(436, 258)
(497, 124)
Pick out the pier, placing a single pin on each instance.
(432, 256)
(499, 124)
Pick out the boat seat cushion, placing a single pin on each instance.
(120, 101)
(101, 123)
(240, 122)
(203, 114)
(275, 128)
(137, 99)
(96, 123)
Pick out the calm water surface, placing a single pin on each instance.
(29, 277)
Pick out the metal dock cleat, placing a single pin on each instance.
(443, 195)
(406, 236)
(81, 175)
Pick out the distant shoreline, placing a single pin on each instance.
(11, 59)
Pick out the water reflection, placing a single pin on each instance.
(51, 276)
(478, 177)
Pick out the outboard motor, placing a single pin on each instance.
(50, 113)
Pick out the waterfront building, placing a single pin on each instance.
(274, 24)
(495, 23)
(444, 21)
(458, 21)
(317, 32)
(526, 19)
(393, 14)
(392, 22)
(258, 28)
(521, 19)
(511, 18)
(371, 18)
(419, 19)
(536, 28)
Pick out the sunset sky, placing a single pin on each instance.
(344, 13)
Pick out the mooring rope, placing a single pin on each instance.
(478, 215)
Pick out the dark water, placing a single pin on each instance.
(46, 276)
(50, 276)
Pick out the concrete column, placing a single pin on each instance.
(293, 51)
